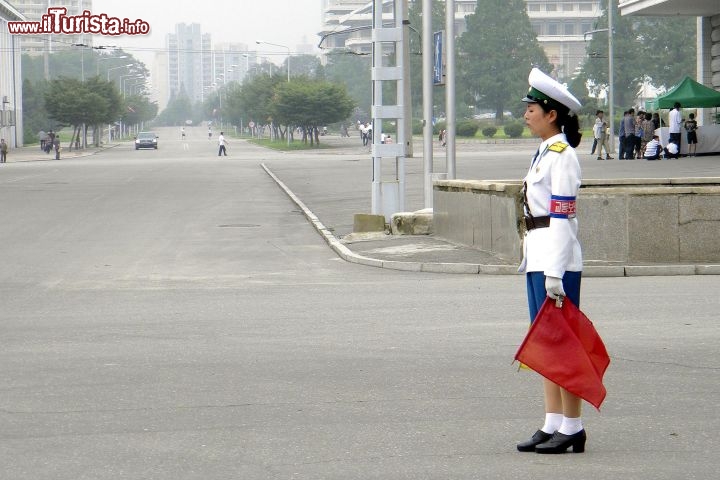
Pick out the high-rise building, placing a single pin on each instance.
(230, 62)
(560, 26)
(190, 68)
(33, 10)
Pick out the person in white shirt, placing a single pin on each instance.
(552, 256)
(675, 122)
(653, 149)
(221, 143)
(600, 134)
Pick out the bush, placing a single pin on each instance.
(417, 127)
(467, 128)
(439, 126)
(489, 132)
(514, 130)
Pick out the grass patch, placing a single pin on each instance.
(283, 144)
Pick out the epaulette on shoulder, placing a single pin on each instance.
(558, 147)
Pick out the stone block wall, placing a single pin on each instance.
(621, 221)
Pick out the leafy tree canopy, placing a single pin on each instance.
(656, 50)
(496, 54)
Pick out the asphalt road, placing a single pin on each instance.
(170, 314)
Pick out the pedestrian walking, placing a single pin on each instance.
(221, 143)
(57, 147)
(3, 150)
(552, 256)
(600, 134)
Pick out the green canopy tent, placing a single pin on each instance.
(689, 93)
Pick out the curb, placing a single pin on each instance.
(50, 156)
(473, 268)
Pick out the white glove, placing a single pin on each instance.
(554, 287)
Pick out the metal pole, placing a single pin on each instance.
(407, 98)
(427, 58)
(376, 207)
(450, 87)
(611, 97)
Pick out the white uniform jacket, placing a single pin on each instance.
(552, 185)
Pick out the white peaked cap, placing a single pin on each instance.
(545, 89)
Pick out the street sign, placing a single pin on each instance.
(438, 58)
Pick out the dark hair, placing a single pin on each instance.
(568, 122)
(599, 111)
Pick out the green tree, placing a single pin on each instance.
(178, 111)
(658, 50)
(310, 104)
(496, 54)
(353, 71)
(138, 109)
(35, 116)
(77, 103)
(255, 97)
(303, 65)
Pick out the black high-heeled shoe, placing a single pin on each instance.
(537, 438)
(559, 443)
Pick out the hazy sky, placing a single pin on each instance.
(286, 22)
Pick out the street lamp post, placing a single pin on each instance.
(115, 68)
(128, 77)
(97, 63)
(259, 42)
(611, 75)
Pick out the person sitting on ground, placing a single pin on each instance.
(653, 149)
(672, 150)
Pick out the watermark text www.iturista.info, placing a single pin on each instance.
(57, 21)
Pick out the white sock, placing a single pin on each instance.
(552, 422)
(570, 426)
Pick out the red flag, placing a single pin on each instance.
(563, 346)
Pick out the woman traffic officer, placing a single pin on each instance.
(552, 258)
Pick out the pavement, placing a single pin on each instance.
(332, 184)
(171, 315)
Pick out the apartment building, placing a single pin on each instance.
(560, 25)
(33, 10)
(190, 62)
(231, 62)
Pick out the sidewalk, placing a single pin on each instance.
(34, 154)
(331, 185)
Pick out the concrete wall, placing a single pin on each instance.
(621, 221)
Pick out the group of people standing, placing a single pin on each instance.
(636, 131)
(637, 137)
(366, 132)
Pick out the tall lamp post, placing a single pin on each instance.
(101, 58)
(611, 75)
(115, 68)
(260, 42)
